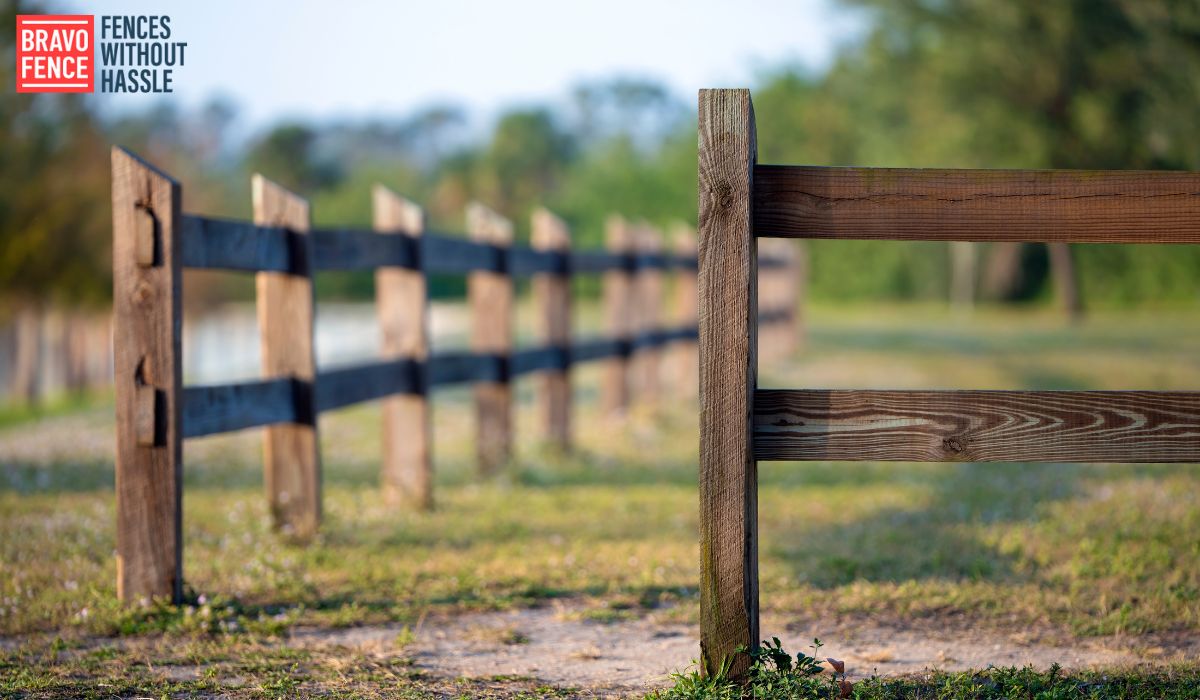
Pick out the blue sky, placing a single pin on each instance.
(321, 59)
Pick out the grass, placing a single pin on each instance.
(1071, 550)
(775, 677)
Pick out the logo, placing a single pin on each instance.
(58, 53)
(55, 53)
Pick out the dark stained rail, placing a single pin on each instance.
(977, 426)
(208, 410)
(222, 244)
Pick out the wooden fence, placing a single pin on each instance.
(47, 353)
(742, 201)
(153, 242)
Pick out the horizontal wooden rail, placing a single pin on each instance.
(767, 316)
(598, 349)
(530, 360)
(465, 367)
(448, 255)
(598, 261)
(350, 385)
(977, 426)
(527, 261)
(222, 244)
(354, 249)
(1076, 206)
(208, 410)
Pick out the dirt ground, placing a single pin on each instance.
(552, 645)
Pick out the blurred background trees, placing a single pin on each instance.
(973, 83)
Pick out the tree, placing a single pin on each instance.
(287, 154)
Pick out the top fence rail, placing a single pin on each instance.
(1069, 206)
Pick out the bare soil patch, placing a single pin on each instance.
(553, 645)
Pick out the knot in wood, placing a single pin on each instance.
(143, 293)
(722, 194)
(954, 444)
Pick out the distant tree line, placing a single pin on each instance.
(973, 83)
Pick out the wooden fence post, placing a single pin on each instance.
(768, 293)
(491, 298)
(618, 318)
(401, 300)
(728, 339)
(647, 307)
(797, 294)
(146, 333)
(552, 297)
(683, 355)
(28, 329)
(291, 456)
(779, 288)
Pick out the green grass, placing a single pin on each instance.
(1071, 550)
(770, 683)
(13, 415)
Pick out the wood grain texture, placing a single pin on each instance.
(618, 317)
(978, 426)
(147, 363)
(291, 455)
(490, 295)
(401, 299)
(646, 364)
(684, 360)
(552, 298)
(1076, 206)
(728, 341)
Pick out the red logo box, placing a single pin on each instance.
(56, 53)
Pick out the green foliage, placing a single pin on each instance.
(287, 155)
(54, 197)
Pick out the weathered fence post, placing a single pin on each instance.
(768, 295)
(780, 287)
(728, 338)
(963, 274)
(146, 333)
(28, 331)
(683, 355)
(618, 318)
(552, 296)
(491, 299)
(797, 294)
(648, 288)
(401, 300)
(291, 456)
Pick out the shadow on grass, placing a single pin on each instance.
(933, 540)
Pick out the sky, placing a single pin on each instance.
(317, 59)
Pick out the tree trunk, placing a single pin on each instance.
(963, 269)
(1066, 280)
(1002, 274)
